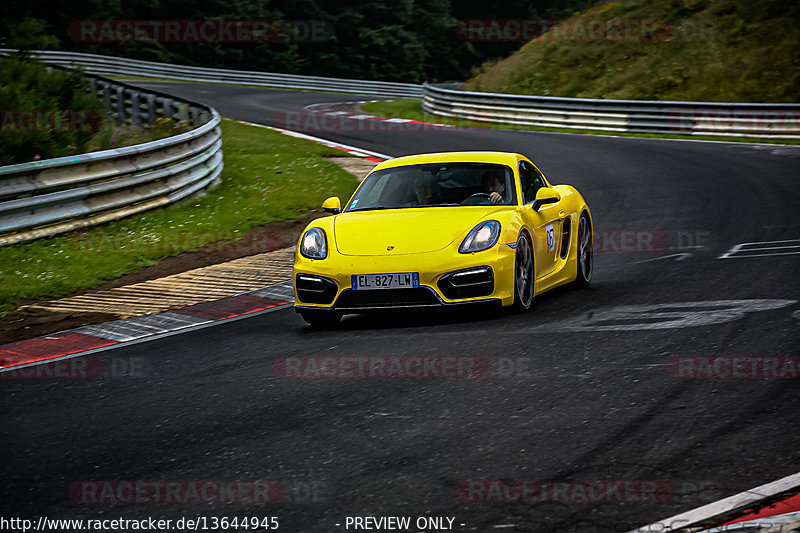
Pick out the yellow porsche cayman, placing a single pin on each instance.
(443, 229)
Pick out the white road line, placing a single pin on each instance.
(757, 255)
(768, 248)
(326, 142)
(721, 507)
(678, 256)
(742, 248)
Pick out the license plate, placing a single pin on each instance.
(368, 282)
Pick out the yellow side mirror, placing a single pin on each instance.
(545, 195)
(332, 205)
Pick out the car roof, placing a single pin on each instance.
(503, 158)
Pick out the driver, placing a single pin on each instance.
(423, 187)
(495, 183)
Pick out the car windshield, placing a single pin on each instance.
(436, 185)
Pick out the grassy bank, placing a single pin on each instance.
(268, 177)
(699, 50)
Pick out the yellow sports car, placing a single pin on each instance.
(441, 230)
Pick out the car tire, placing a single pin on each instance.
(585, 257)
(321, 319)
(523, 273)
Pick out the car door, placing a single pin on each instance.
(545, 222)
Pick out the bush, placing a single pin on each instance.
(44, 113)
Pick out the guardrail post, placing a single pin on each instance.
(119, 107)
(182, 113)
(136, 118)
(166, 106)
(151, 109)
(106, 88)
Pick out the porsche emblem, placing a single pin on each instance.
(389, 248)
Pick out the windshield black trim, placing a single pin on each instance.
(514, 200)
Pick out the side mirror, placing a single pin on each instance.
(332, 205)
(545, 195)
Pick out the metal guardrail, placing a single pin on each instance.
(778, 121)
(52, 196)
(118, 66)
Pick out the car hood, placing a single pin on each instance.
(407, 231)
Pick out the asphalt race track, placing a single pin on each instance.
(583, 387)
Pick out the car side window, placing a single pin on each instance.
(531, 181)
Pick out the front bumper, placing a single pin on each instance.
(446, 278)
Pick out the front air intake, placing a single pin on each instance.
(315, 289)
(468, 283)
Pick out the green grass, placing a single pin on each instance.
(702, 50)
(411, 108)
(268, 177)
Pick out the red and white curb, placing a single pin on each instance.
(97, 337)
(784, 523)
(753, 510)
(328, 108)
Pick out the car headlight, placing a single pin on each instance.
(482, 237)
(314, 244)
